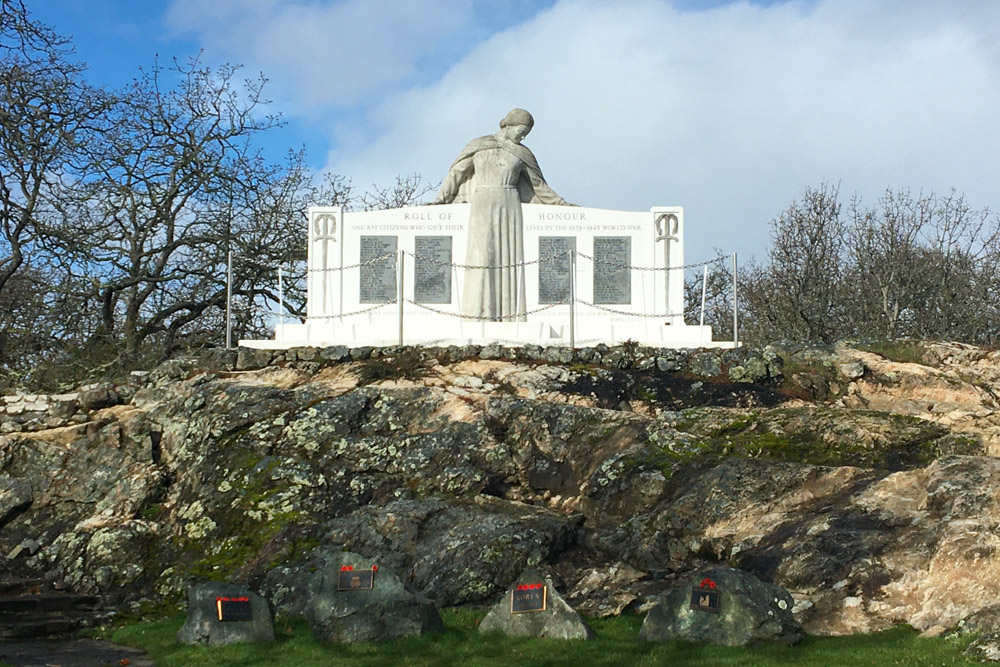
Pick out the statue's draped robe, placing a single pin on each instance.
(495, 175)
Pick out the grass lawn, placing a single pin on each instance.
(616, 644)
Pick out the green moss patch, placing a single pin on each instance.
(810, 434)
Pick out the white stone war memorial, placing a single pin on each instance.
(498, 257)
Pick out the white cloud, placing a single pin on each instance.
(729, 111)
(324, 54)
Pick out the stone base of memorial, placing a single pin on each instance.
(221, 613)
(723, 606)
(351, 599)
(533, 608)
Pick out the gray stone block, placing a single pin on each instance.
(388, 610)
(557, 621)
(749, 611)
(204, 627)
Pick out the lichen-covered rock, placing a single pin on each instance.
(748, 611)
(450, 551)
(96, 396)
(985, 648)
(458, 472)
(203, 625)
(385, 611)
(557, 621)
(705, 364)
(15, 497)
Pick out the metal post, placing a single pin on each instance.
(572, 300)
(229, 300)
(736, 308)
(400, 295)
(281, 299)
(704, 285)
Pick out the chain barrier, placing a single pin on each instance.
(565, 253)
(480, 318)
(631, 314)
(374, 260)
(550, 258)
(651, 268)
(334, 317)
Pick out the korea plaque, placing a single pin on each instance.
(529, 597)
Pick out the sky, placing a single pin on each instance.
(727, 108)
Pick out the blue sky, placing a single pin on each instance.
(729, 109)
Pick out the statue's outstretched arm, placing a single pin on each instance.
(459, 172)
(543, 193)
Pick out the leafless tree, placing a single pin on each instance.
(798, 293)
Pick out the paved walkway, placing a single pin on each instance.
(72, 653)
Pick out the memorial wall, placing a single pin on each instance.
(619, 289)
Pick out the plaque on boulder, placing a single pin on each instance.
(356, 580)
(705, 597)
(554, 268)
(380, 612)
(432, 269)
(527, 598)
(550, 615)
(212, 608)
(378, 278)
(755, 611)
(612, 275)
(234, 608)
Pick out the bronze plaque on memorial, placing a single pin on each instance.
(705, 597)
(356, 580)
(529, 597)
(234, 608)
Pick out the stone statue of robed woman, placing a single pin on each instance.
(495, 174)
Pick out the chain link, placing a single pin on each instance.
(480, 318)
(334, 317)
(630, 314)
(651, 268)
(494, 266)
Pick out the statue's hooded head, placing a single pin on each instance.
(518, 117)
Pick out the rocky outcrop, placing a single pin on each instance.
(616, 472)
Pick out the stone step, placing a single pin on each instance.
(31, 609)
(22, 586)
(48, 602)
(48, 626)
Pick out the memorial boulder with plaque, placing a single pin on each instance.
(723, 606)
(532, 607)
(351, 599)
(220, 613)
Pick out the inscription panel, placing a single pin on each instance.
(527, 598)
(350, 579)
(378, 279)
(612, 277)
(431, 269)
(554, 274)
(234, 608)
